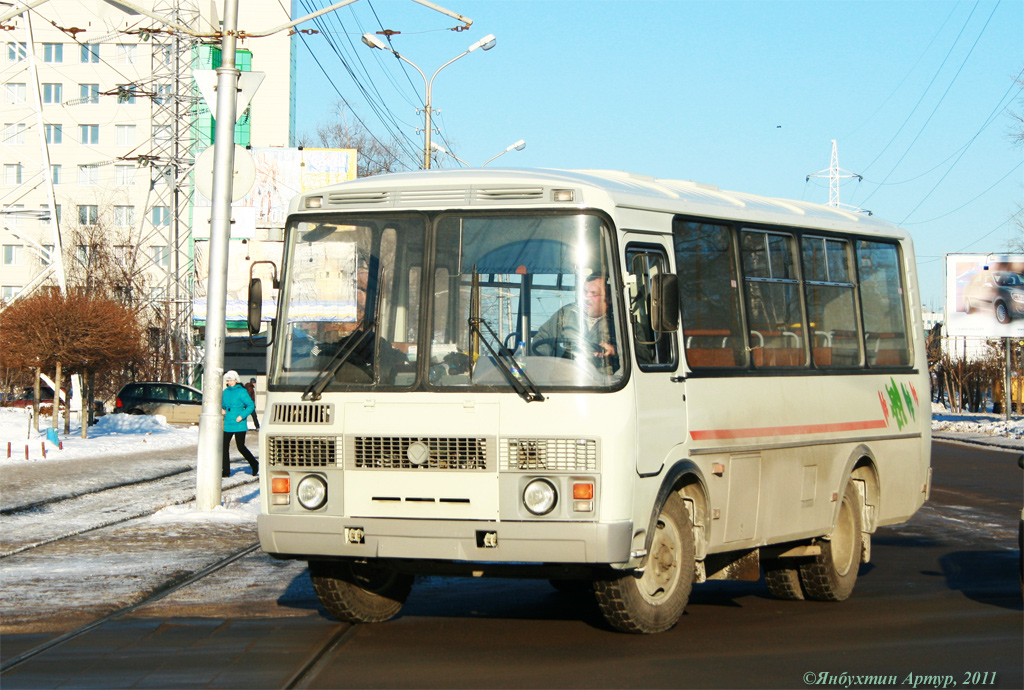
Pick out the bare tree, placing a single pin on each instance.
(77, 332)
(346, 132)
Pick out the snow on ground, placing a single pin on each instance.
(112, 435)
(983, 423)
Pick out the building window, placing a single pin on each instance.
(90, 53)
(14, 93)
(47, 256)
(82, 254)
(10, 292)
(123, 254)
(55, 173)
(53, 52)
(125, 53)
(124, 216)
(161, 215)
(89, 134)
(13, 173)
(53, 93)
(124, 175)
(125, 135)
(14, 214)
(88, 215)
(90, 93)
(16, 52)
(12, 254)
(163, 94)
(164, 54)
(54, 134)
(88, 175)
(14, 133)
(162, 256)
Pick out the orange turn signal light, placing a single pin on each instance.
(583, 492)
(281, 485)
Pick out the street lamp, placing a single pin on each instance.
(518, 146)
(437, 147)
(487, 42)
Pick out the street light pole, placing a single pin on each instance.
(211, 425)
(518, 146)
(487, 42)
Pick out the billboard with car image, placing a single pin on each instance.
(984, 295)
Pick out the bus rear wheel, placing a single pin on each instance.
(831, 575)
(783, 581)
(359, 592)
(653, 600)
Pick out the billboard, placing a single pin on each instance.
(281, 173)
(984, 295)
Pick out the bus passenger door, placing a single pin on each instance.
(661, 418)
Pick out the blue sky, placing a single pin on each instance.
(744, 95)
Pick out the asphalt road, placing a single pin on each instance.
(939, 606)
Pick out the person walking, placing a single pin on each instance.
(236, 407)
(250, 388)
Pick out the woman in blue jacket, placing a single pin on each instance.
(237, 406)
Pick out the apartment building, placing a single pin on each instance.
(99, 107)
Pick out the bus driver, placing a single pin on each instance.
(588, 335)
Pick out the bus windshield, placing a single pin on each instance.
(520, 301)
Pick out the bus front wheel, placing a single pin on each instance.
(359, 592)
(652, 601)
(831, 575)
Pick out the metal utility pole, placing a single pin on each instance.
(211, 419)
(834, 174)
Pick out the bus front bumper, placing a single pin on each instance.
(311, 536)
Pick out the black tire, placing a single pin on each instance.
(783, 580)
(136, 412)
(359, 592)
(1002, 313)
(831, 575)
(653, 600)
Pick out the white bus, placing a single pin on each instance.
(614, 382)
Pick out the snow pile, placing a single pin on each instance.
(976, 423)
(112, 435)
(237, 511)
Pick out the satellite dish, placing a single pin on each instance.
(242, 179)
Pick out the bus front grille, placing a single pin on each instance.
(429, 453)
(302, 451)
(302, 413)
(566, 454)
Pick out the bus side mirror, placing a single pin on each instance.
(665, 302)
(255, 317)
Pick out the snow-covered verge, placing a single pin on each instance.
(977, 424)
(112, 435)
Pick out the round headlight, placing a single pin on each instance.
(540, 497)
(311, 492)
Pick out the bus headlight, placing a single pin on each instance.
(540, 497)
(311, 492)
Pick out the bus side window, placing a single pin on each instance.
(774, 310)
(882, 303)
(831, 308)
(654, 351)
(709, 295)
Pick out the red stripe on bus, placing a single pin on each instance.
(801, 429)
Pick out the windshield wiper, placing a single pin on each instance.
(507, 363)
(366, 328)
(353, 342)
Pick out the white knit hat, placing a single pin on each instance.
(231, 375)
